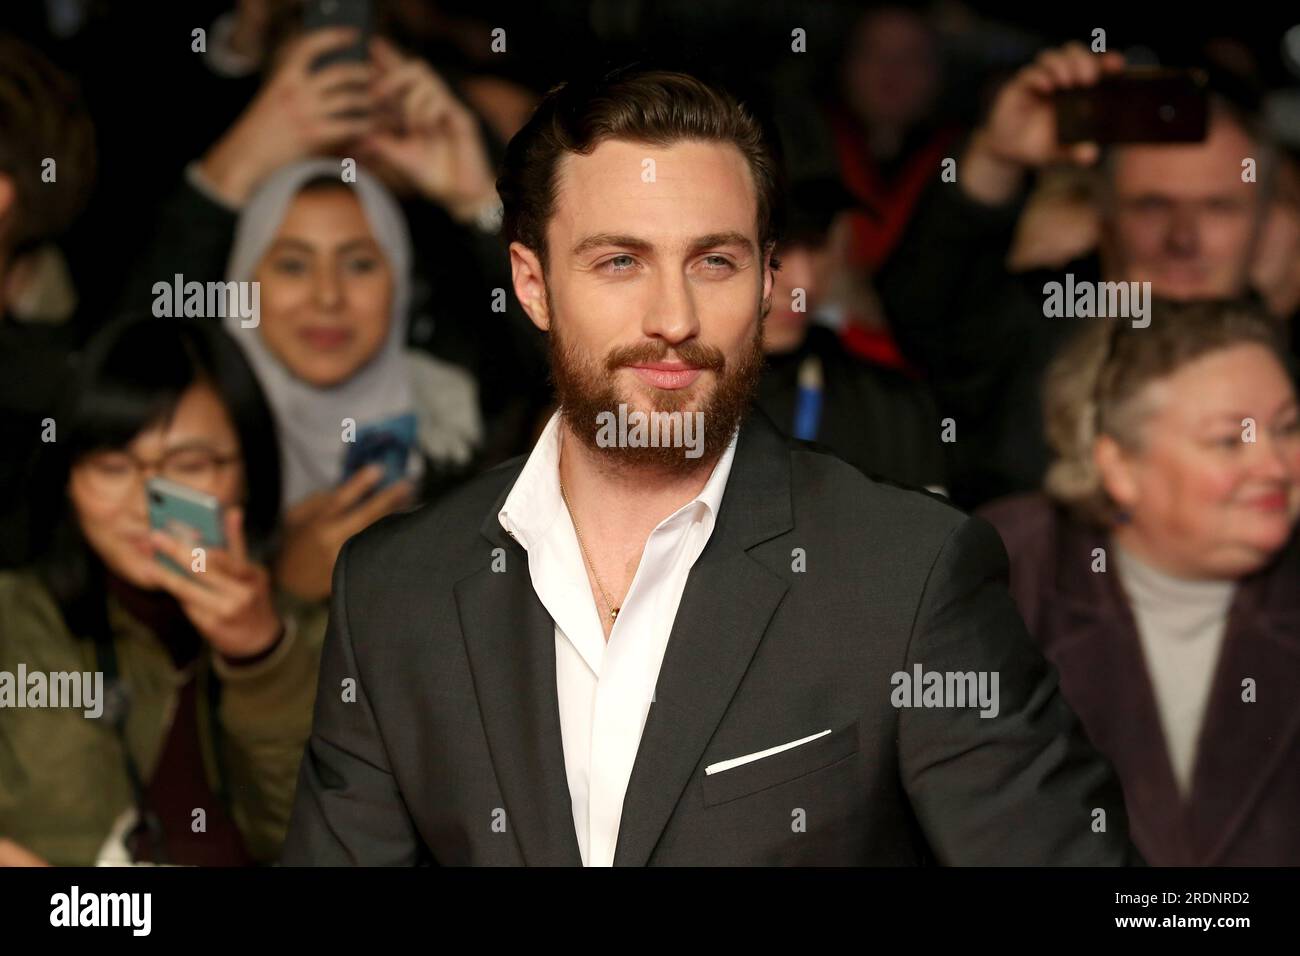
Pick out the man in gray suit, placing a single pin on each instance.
(670, 635)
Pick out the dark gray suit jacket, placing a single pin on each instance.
(451, 751)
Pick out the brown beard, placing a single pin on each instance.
(585, 389)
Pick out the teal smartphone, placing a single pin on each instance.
(187, 515)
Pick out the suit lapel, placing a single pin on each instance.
(510, 641)
(726, 605)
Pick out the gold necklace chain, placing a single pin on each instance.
(613, 611)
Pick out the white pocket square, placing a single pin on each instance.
(749, 758)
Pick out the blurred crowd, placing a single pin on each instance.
(1145, 478)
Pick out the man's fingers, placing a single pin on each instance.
(1038, 79)
(1054, 63)
(1080, 63)
(1112, 62)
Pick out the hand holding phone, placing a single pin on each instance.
(227, 597)
(316, 528)
(1020, 131)
(298, 113)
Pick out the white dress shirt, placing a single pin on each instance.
(604, 689)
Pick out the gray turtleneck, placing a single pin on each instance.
(1181, 623)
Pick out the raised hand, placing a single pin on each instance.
(300, 112)
(230, 602)
(434, 142)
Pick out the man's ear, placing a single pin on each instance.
(530, 284)
(1115, 471)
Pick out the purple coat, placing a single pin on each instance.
(1244, 806)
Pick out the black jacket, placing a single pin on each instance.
(876, 419)
(979, 334)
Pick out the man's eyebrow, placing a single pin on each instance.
(711, 241)
(716, 239)
(602, 239)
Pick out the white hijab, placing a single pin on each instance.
(308, 418)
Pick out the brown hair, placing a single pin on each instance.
(42, 117)
(652, 106)
(1097, 385)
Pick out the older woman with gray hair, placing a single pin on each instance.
(1160, 570)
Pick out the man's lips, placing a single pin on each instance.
(325, 339)
(667, 374)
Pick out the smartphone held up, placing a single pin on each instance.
(1140, 105)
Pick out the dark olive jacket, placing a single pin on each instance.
(63, 780)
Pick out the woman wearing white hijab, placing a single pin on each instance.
(332, 262)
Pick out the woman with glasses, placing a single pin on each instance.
(1161, 573)
(208, 675)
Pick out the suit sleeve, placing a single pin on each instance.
(1020, 787)
(347, 809)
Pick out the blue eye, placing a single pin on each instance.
(627, 263)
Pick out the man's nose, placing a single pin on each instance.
(672, 315)
(1184, 236)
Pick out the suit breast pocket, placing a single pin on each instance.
(781, 767)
